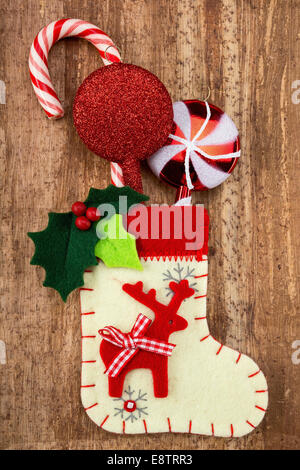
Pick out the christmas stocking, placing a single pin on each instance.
(134, 380)
(149, 363)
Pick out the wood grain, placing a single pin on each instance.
(247, 52)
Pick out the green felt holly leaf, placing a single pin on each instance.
(120, 199)
(116, 247)
(64, 252)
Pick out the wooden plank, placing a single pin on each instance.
(247, 53)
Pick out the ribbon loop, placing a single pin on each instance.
(131, 343)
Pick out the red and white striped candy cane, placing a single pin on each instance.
(39, 71)
(116, 175)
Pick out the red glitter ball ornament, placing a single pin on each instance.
(124, 114)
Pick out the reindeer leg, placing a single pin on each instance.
(160, 377)
(115, 385)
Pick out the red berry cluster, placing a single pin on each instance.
(85, 216)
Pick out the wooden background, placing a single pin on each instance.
(248, 53)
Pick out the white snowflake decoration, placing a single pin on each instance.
(180, 274)
(131, 407)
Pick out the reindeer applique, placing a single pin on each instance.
(166, 322)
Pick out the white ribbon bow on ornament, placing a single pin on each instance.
(192, 146)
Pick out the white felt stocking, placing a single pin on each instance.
(212, 389)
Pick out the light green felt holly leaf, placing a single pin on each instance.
(116, 247)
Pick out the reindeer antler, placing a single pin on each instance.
(182, 288)
(149, 299)
(181, 292)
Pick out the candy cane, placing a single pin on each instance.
(116, 175)
(39, 71)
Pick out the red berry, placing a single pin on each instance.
(93, 214)
(78, 208)
(82, 223)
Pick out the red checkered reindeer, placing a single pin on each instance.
(166, 322)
